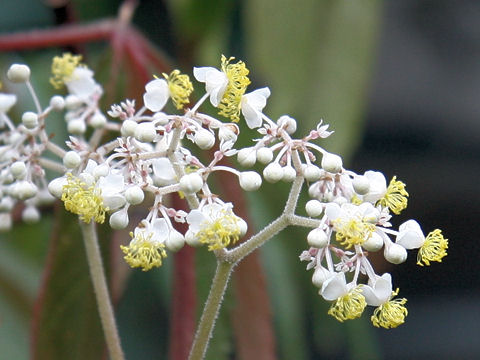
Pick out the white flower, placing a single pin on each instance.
(410, 235)
(378, 186)
(252, 105)
(81, 83)
(335, 287)
(378, 291)
(216, 82)
(156, 95)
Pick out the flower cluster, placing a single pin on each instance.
(153, 155)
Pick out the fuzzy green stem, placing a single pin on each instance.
(97, 274)
(210, 311)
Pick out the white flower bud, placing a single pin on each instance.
(312, 172)
(314, 208)
(30, 120)
(289, 173)
(250, 180)
(160, 118)
(373, 243)
(5, 222)
(320, 275)
(361, 185)
(72, 102)
(57, 102)
(145, 132)
(273, 172)
(264, 155)
(76, 127)
(98, 120)
(18, 169)
(228, 132)
(243, 226)
(101, 170)
(204, 139)
(30, 215)
(191, 239)
(175, 241)
(119, 220)
(313, 190)
(288, 123)
(317, 238)
(332, 163)
(191, 183)
(134, 195)
(6, 204)
(24, 190)
(128, 128)
(18, 73)
(56, 186)
(71, 159)
(394, 253)
(247, 157)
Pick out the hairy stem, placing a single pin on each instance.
(101, 291)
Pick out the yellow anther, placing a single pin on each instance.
(396, 198)
(391, 314)
(220, 233)
(433, 249)
(144, 253)
(83, 200)
(237, 84)
(180, 88)
(349, 306)
(62, 69)
(352, 232)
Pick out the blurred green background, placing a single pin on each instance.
(399, 84)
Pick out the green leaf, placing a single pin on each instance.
(67, 324)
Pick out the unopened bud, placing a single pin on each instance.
(18, 73)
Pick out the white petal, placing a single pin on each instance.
(378, 186)
(332, 211)
(111, 184)
(195, 218)
(380, 292)
(410, 235)
(113, 202)
(81, 82)
(7, 101)
(156, 95)
(334, 287)
(160, 230)
(200, 73)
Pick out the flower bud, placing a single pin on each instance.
(72, 102)
(119, 220)
(30, 120)
(373, 243)
(6, 204)
(228, 132)
(191, 183)
(314, 208)
(273, 172)
(317, 238)
(160, 118)
(250, 180)
(30, 215)
(76, 127)
(361, 185)
(394, 253)
(128, 128)
(24, 190)
(320, 275)
(264, 155)
(312, 172)
(57, 103)
(71, 159)
(204, 139)
(243, 226)
(98, 120)
(18, 169)
(332, 163)
(56, 186)
(18, 73)
(145, 132)
(288, 123)
(289, 173)
(247, 157)
(175, 241)
(134, 195)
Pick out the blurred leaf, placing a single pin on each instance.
(67, 324)
(316, 57)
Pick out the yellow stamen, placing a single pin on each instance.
(391, 314)
(349, 306)
(355, 200)
(352, 232)
(396, 197)
(144, 253)
(62, 69)
(83, 200)
(221, 233)
(237, 84)
(180, 88)
(433, 249)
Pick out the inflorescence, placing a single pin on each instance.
(151, 155)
